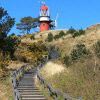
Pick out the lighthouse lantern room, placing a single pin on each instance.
(44, 18)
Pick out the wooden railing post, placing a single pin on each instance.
(14, 83)
(16, 76)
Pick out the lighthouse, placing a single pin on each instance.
(44, 18)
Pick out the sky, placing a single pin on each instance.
(75, 13)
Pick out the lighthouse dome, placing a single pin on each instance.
(44, 8)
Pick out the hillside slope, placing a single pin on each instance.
(79, 78)
(81, 75)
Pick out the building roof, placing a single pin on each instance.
(44, 7)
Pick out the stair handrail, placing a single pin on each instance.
(16, 77)
(15, 84)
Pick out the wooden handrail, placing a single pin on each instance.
(16, 76)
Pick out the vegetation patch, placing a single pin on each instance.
(79, 80)
(31, 53)
(6, 91)
(97, 48)
(75, 33)
(80, 51)
(48, 69)
(50, 37)
(60, 35)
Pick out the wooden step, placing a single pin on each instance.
(24, 88)
(26, 84)
(29, 90)
(32, 75)
(25, 81)
(30, 93)
(33, 98)
(28, 77)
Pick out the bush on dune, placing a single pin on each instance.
(97, 48)
(80, 51)
(31, 53)
(75, 33)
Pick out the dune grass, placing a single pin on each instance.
(80, 79)
(6, 92)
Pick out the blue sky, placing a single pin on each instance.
(76, 13)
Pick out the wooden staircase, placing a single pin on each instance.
(27, 88)
(24, 87)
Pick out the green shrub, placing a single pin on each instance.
(56, 37)
(78, 33)
(32, 37)
(82, 32)
(71, 30)
(32, 52)
(67, 60)
(37, 47)
(12, 42)
(61, 34)
(97, 48)
(50, 37)
(75, 33)
(79, 51)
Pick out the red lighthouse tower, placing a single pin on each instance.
(44, 19)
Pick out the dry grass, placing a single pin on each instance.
(15, 65)
(6, 92)
(51, 69)
(80, 79)
(6, 89)
(44, 35)
(67, 43)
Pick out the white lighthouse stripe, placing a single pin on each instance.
(44, 18)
